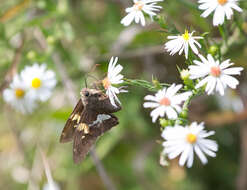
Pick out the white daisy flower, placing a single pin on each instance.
(186, 140)
(166, 101)
(221, 9)
(18, 97)
(217, 75)
(136, 11)
(113, 77)
(40, 81)
(182, 43)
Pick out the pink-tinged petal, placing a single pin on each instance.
(220, 87)
(173, 89)
(204, 60)
(126, 21)
(156, 113)
(150, 98)
(150, 105)
(203, 82)
(229, 81)
(211, 85)
(225, 64)
(233, 71)
(171, 113)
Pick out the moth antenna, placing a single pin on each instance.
(93, 68)
(85, 81)
(88, 75)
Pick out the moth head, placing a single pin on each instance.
(98, 101)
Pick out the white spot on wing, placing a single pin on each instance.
(100, 119)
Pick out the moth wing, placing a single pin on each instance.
(70, 126)
(83, 142)
(82, 145)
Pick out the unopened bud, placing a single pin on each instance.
(164, 122)
(31, 55)
(184, 113)
(213, 50)
(156, 83)
(184, 74)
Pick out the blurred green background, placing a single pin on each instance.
(88, 32)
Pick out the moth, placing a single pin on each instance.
(91, 117)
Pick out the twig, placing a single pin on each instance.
(13, 11)
(73, 98)
(16, 134)
(101, 170)
(241, 180)
(222, 118)
(69, 86)
(13, 67)
(242, 176)
(159, 49)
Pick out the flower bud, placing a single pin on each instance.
(31, 55)
(164, 122)
(156, 83)
(184, 113)
(184, 74)
(213, 50)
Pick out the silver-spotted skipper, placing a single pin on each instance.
(91, 117)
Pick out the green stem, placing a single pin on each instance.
(145, 84)
(223, 33)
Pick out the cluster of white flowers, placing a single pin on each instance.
(208, 74)
(34, 83)
(221, 9)
(178, 139)
(213, 74)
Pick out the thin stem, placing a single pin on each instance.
(223, 33)
(13, 67)
(145, 84)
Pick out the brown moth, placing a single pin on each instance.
(91, 117)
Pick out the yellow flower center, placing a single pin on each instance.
(138, 5)
(36, 83)
(186, 35)
(19, 93)
(106, 83)
(215, 71)
(191, 138)
(222, 2)
(165, 101)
